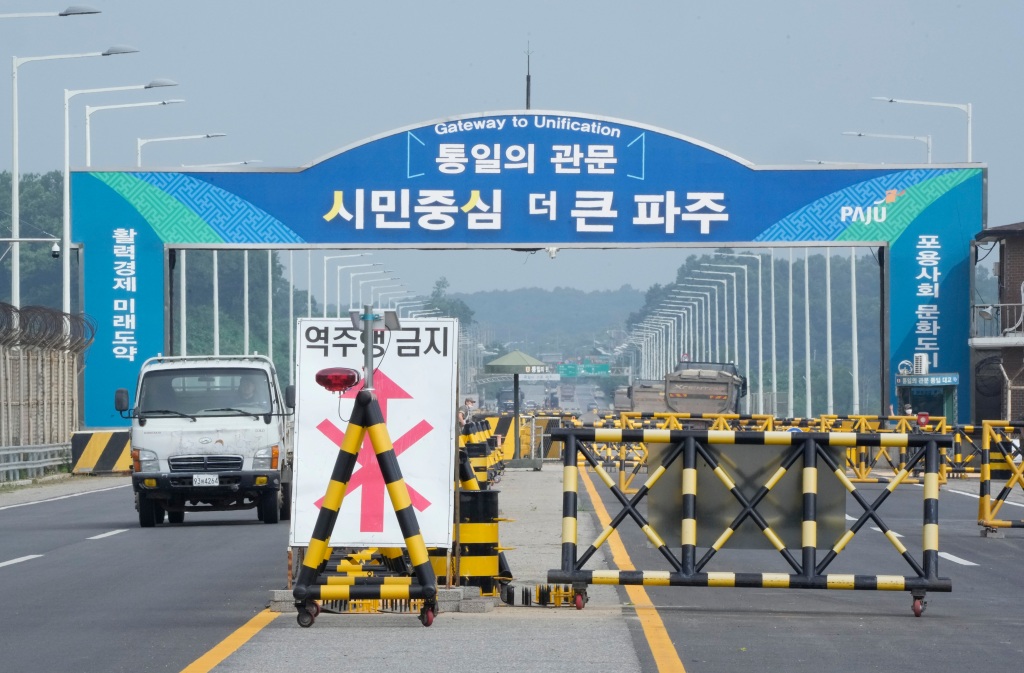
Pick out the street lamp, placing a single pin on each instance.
(392, 296)
(409, 305)
(327, 259)
(927, 140)
(714, 315)
(648, 349)
(760, 328)
(372, 282)
(75, 10)
(746, 312)
(145, 141)
(667, 334)
(673, 349)
(352, 284)
(965, 107)
(89, 109)
(725, 306)
(705, 321)
(376, 290)
(337, 283)
(15, 172)
(683, 308)
(224, 163)
(66, 232)
(735, 307)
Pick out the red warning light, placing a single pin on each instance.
(923, 418)
(337, 379)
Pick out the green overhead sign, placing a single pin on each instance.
(571, 370)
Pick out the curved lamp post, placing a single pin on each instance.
(337, 282)
(927, 140)
(145, 141)
(326, 259)
(16, 63)
(74, 10)
(352, 283)
(90, 109)
(964, 107)
(66, 231)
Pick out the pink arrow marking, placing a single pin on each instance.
(368, 474)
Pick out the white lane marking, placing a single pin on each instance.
(891, 531)
(19, 560)
(976, 496)
(107, 534)
(63, 497)
(956, 559)
(850, 518)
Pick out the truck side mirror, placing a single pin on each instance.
(289, 396)
(121, 399)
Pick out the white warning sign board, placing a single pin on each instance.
(415, 383)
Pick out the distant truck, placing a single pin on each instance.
(209, 433)
(693, 388)
(507, 398)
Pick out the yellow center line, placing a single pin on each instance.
(230, 645)
(664, 652)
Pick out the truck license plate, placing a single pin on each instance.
(205, 480)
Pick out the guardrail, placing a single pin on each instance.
(29, 462)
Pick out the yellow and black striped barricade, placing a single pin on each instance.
(366, 419)
(965, 456)
(1001, 458)
(101, 452)
(478, 541)
(807, 572)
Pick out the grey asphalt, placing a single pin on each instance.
(510, 638)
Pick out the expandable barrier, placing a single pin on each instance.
(482, 447)
(310, 586)
(805, 448)
(101, 452)
(1001, 456)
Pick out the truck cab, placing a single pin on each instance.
(209, 433)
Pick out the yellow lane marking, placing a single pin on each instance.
(664, 652)
(230, 645)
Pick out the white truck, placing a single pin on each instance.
(209, 433)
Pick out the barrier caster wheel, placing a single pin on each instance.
(307, 614)
(580, 601)
(918, 607)
(426, 616)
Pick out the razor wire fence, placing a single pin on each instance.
(40, 365)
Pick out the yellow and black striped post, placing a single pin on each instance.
(689, 535)
(366, 418)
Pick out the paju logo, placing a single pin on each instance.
(874, 213)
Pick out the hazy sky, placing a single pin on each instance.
(773, 82)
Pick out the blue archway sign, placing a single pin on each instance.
(523, 179)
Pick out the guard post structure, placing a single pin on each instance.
(804, 450)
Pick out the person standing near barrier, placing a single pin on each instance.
(464, 411)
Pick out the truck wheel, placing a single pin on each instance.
(286, 501)
(147, 512)
(270, 506)
(158, 513)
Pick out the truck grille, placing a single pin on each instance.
(205, 463)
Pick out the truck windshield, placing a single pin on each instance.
(207, 391)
